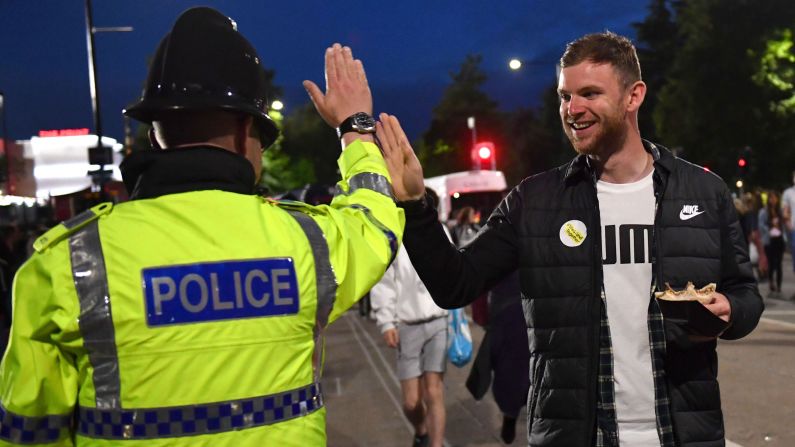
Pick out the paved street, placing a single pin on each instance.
(757, 377)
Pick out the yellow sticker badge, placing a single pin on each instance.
(573, 233)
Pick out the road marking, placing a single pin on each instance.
(779, 312)
(732, 444)
(339, 386)
(778, 322)
(378, 374)
(387, 367)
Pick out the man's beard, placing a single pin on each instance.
(610, 137)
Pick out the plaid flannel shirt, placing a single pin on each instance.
(606, 423)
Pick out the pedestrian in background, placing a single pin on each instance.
(416, 327)
(503, 358)
(788, 211)
(605, 368)
(771, 228)
(194, 313)
(466, 226)
(748, 214)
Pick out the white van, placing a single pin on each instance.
(481, 190)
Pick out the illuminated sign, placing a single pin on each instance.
(63, 132)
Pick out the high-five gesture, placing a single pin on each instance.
(402, 163)
(347, 91)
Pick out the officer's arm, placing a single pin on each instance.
(364, 227)
(38, 378)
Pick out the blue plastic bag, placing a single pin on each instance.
(459, 349)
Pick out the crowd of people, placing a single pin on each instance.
(766, 218)
(194, 314)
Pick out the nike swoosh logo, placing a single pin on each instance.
(684, 216)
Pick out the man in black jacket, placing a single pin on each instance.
(592, 239)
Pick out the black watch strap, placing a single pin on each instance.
(359, 122)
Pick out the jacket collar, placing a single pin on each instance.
(581, 167)
(153, 173)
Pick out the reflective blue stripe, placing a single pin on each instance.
(95, 321)
(390, 235)
(367, 180)
(201, 419)
(20, 429)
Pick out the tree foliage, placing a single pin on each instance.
(657, 43)
(712, 104)
(776, 72)
(445, 145)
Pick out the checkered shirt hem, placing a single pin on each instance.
(662, 403)
(19, 429)
(606, 424)
(191, 420)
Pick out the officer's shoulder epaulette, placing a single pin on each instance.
(294, 205)
(67, 227)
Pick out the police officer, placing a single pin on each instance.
(194, 313)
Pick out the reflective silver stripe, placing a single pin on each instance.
(368, 180)
(96, 322)
(324, 272)
(325, 282)
(200, 419)
(78, 220)
(19, 429)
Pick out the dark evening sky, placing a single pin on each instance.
(408, 48)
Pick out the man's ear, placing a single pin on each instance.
(242, 131)
(637, 92)
(153, 139)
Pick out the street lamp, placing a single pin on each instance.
(277, 105)
(514, 64)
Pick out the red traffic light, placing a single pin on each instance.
(483, 155)
(741, 163)
(484, 152)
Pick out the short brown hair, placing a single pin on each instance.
(605, 48)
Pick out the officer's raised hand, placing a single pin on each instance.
(402, 163)
(347, 91)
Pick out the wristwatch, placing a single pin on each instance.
(359, 122)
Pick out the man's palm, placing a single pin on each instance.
(402, 163)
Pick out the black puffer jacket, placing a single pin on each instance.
(561, 288)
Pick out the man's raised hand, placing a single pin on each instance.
(402, 163)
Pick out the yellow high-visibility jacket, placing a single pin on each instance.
(193, 318)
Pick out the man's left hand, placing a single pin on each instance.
(720, 306)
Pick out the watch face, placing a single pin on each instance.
(363, 122)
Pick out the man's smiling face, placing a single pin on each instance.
(593, 107)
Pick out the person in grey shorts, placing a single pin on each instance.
(412, 323)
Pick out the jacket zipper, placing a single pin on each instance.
(657, 259)
(596, 289)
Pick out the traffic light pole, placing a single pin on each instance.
(7, 164)
(471, 125)
(92, 73)
(100, 154)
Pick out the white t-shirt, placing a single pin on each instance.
(788, 201)
(627, 213)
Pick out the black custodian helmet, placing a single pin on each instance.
(204, 63)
